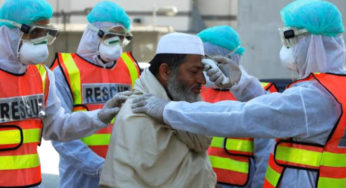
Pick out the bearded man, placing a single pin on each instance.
(142, 153)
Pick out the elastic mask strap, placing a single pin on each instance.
(93, 28)
(99, 32)
(11, 22)
(232, 52)
(23, 27)
(38, 41)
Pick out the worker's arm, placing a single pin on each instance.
(247, 88)
(75, 152)
(62, 126)
(300, 111)
(80, 156)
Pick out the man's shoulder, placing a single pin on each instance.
(126, 112)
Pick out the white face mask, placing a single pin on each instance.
(287, 58)
(30, 53)
(111, 52)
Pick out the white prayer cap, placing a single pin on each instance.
(180, 43)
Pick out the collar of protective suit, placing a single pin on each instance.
(143, 153)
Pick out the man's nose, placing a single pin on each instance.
(201, 78)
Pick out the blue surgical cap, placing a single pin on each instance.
(318, 17)
(223, 36)
(107, 11)
(25, 11)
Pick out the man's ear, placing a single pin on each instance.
(164, 72)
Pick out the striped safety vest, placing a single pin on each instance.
(91, 86)
(22, 104)
(230, 157)
(328, 160)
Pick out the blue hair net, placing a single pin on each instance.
(25, 11)
(318, 17)
(107, 11)
(223, 36)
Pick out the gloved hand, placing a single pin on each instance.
(112, 106)
(149, 104)
(226, 75)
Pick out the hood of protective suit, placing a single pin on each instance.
(88, 47)
(317, 53)
(144, 153)
(9, 44)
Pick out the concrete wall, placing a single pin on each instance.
(258, 23)
(220, 12)
(137, 10)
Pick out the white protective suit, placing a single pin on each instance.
(143, 153)
(307, 112)
(79, 166)
(57, 125)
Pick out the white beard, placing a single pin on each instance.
(178, 91)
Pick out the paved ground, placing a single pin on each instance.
(49, 165)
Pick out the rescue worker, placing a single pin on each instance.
(85, 81)
(29, 107)
(307, 117)
(237, 162)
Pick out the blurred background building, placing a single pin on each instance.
(256, 21)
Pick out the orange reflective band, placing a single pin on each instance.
(292, 156)
(324, 182)
(229, 164)
(264, 84)
(74, 74)
(19, 162)
(131, 67)
(272, 176)
(333, 159)
(239, 145)
(233, 144)
(79, 108)
(217, 142)
(43, 74)
(97, 139)
(14, 137)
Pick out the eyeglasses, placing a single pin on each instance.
(229, 55)
(289, 35)
(106, 34)
(33, 32)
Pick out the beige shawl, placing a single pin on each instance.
(143, 153)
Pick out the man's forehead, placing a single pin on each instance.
(193, 61)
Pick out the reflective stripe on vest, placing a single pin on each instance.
(19, 160)
(74, 77)
(14, 137)
(234, 145)
(328, 160)
(133, 69)
(230, 157)
(79, 72)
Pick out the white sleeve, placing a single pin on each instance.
(247, 88)
(304, 111)
(61, 126)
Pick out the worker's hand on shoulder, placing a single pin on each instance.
(149, 104)
(227, 75)
(112, 106)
